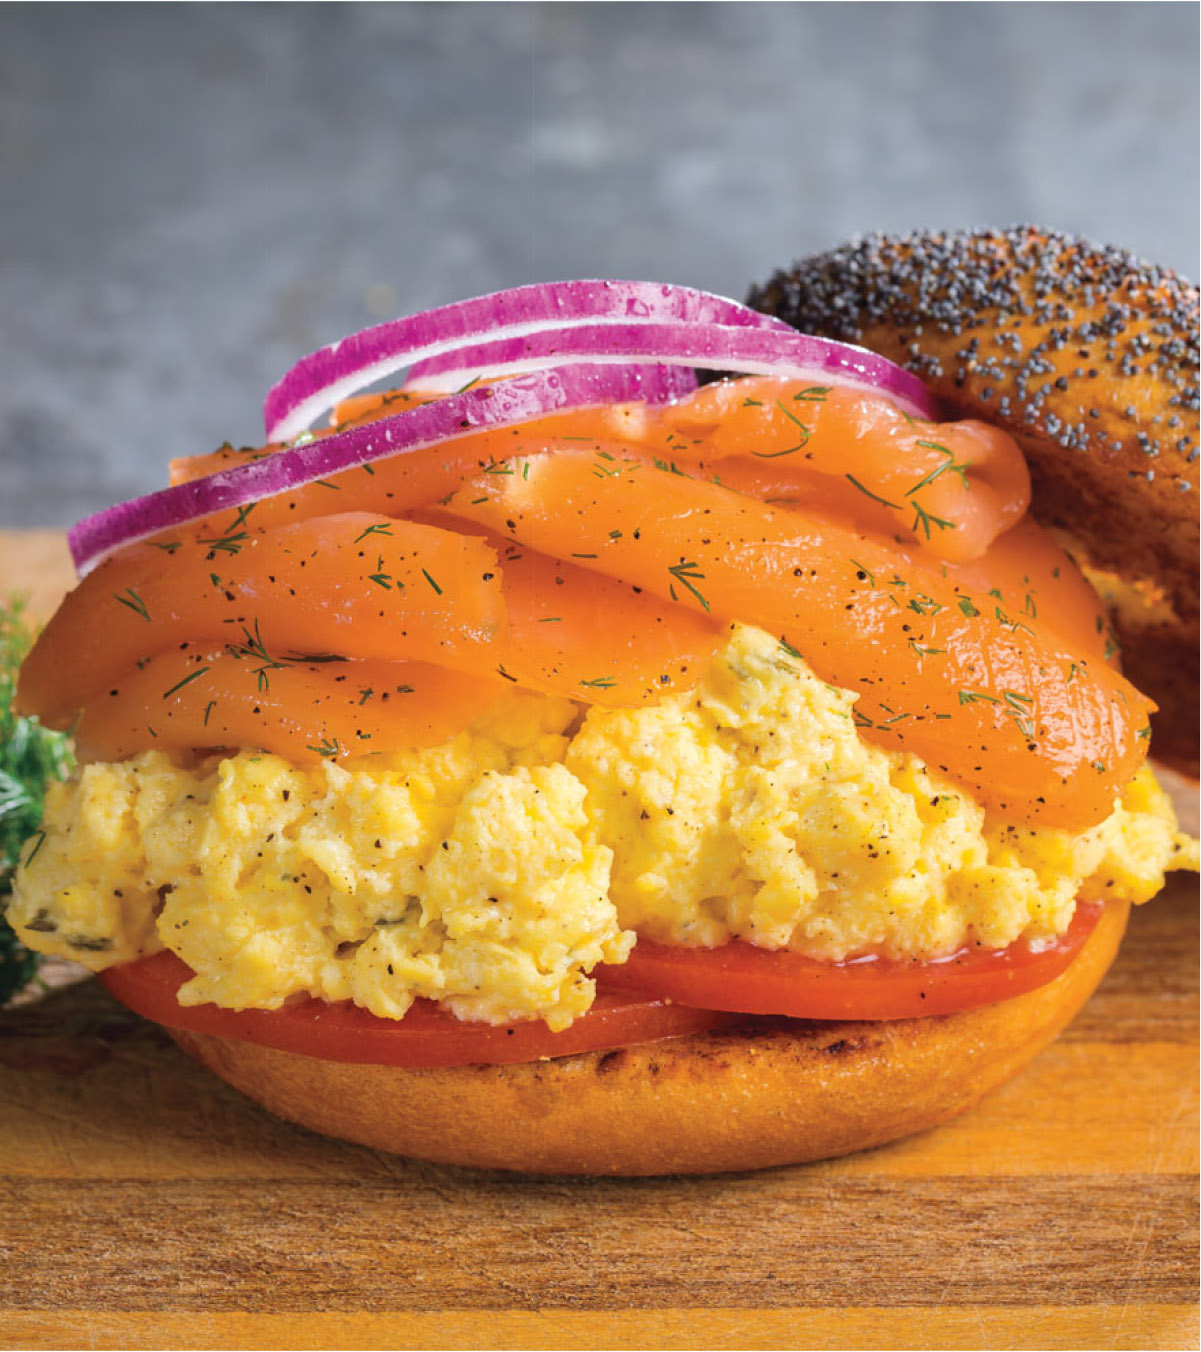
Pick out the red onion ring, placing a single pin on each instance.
(605, 342)
(322, 379)
(790, 355)
(512, 401)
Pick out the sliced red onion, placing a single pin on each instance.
(322, 379)
(512, 401)
(792, 355)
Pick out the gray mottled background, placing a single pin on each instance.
(193, 196)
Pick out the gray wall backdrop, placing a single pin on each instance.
(193, 196)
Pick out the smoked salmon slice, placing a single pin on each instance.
(353, 585)
(595, 639)
(949, 488)
(600, 554)
(305, 712)
(996, 700)
(587, 637)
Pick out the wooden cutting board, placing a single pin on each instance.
(144, 1204)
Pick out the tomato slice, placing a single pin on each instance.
(739, 976)
(661, 992)
(426, 1036)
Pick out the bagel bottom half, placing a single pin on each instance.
(767, 1092)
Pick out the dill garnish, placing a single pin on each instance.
(788, 450)
(30, 758)
(868, 493)
(378, 528)
(187, 680)
(133, 601)
(925, 519)
(686, 574)
(234, 536)
(326, 748)
(948, 466)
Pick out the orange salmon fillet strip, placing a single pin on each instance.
(950, 488)
(1002, 705)
(303, 712)
(595, 639)
(354, 585)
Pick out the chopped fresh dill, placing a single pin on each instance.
(687, 574)
(377, 528)
(187, 680)
(865, 574)
(133, 601)
(327, 748)
(788, 450)
(926, 519)
(874, 497)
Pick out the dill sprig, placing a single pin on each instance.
(30, 757)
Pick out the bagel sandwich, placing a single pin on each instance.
(644, 779)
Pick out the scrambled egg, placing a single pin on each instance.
(494, 871)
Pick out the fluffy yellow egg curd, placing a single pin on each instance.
(493, 872)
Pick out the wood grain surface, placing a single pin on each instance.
(145, 1204)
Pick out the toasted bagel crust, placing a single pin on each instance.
(1088, 356)
(769, 1092)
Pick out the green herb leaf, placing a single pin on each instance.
(326, 749)
(687, 574)
(378, 528)
(867, 492)
(187, 680)
(788, 450)
(926, 519)
(31, 757)
(133, 601)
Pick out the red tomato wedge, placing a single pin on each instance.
(764, 981)
(427, 1035)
